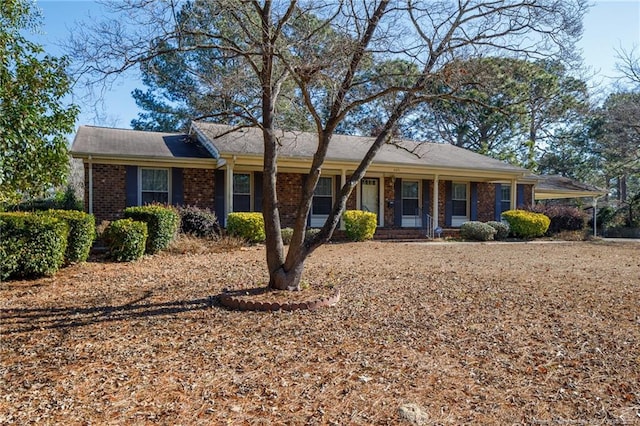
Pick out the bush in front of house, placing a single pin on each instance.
(82, 232)
(198, 222)
(126, 239)
(287, 234)
(479, 231)
(33, 245)
(526, 224)
(359, 225)
(563, 218)
(502, 229)
(246, 225)
(162, 224)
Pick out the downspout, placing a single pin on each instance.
(90, 186)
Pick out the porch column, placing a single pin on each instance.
(343, 180)
(436, 184)
(381, 203)
(228, 204)
(514, 194)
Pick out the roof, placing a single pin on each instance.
(108, 142)
(556, 186)
(302, 145)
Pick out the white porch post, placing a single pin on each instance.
(436, 195)
(228, 191)
(514, 194)
(381, 202)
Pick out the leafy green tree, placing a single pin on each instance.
(34, 121)
(327, 76)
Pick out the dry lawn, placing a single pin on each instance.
(505, 334)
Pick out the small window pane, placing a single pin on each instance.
(459, 208)
(409, 189)
(155, 180)
(459, 191)
(410, 207)
(506, 193)
(241, 184)
(324, 187)
(321, 205)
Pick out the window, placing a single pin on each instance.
(241, 192)
(505, 197)
(410, 198)
(459, 199)
(154, 186)
(322, 197)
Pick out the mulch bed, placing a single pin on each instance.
(467, 333)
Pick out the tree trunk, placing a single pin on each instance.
(282, 279)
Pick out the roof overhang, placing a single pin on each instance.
(147, 161)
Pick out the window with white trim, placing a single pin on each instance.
(459, 199)
(410, 199)
(322, 197)
(505, 198)
(241, 192)
(154, 186)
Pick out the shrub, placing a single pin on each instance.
(162, 225)
(249, 226)
(287, 234)
(82, 232)
(478, 231)
(126, 239)
(563, 218)
(502, 229)
(198, 222)
(526, 224)
(62, 200)
(359, 225)
(32, 245)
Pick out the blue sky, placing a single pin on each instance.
(609, 25)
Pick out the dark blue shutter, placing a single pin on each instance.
(426, 205)
(498, 202)
(219, 188)
(448, 202)
(520, 200)
(177, 187)
(473, 210)
(257, 191)
(397, 206)
(131, 185)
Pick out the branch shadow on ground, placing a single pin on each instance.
(14, 321)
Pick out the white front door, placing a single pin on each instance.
(370, 194)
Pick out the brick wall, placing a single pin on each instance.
(441, 202)
(389, 195)
(486, 201)
(528, 195)
(109, 197)
(288, 188)
(199, 188)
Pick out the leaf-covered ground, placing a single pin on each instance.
(527, 333)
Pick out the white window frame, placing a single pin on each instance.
(459, 220)
(141, 190)
(250, 193)
(504, 187)
(411, 220)
(318, 220)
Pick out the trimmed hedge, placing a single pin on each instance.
(502, 229)
(474, 230)
(198, 222)
(526, 224)
(82, 232)
(247, 225)
(162, 225)
(359, 225)
(126, 239)
(563, 218)
(287, 234)
(32, 245)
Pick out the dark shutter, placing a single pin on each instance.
(498, 202)
(448, 202)
(473, 210)
(131, 185)
(219, 188)
(257, 191)
(426, 204)
(177, 187)
(397, 205)
(520, 198)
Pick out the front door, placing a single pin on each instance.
(370, 194)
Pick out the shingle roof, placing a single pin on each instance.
(104, 141)
(351, 149)
(556, 186)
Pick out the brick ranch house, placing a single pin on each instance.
(411, 186)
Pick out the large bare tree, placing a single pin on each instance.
(271, 45)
